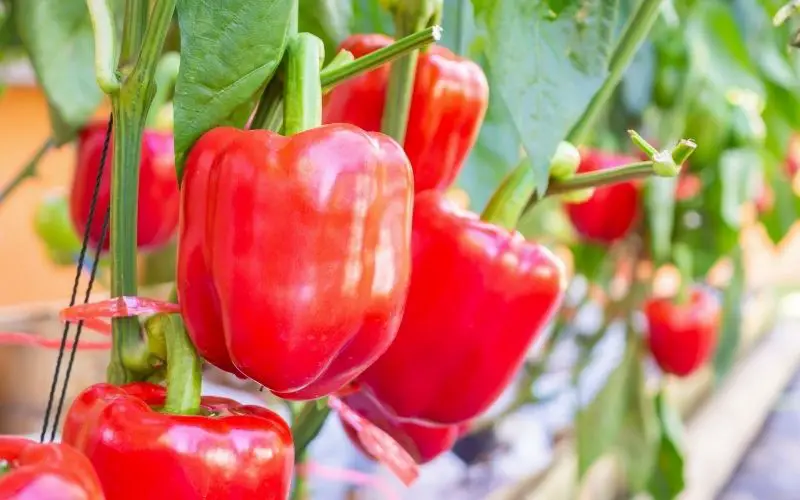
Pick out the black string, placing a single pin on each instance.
(81, 258)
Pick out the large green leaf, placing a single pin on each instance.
(598, 425)
(229, 50)
(330, 20)
(369, 16)
(731, 329)
(668, 479)
(57, 35)
(548, 68)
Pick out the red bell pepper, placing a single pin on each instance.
(33, 471)
(479, 296)
(422, 442)
(228, 452)
(683, 336)
(158, 187)
(610, 213)
(294, 253)
(449, 101)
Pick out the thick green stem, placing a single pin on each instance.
(133, 32)
(105, 45)
(634, 34)
(308, 425)
(682, 256)
(508, 202)
(333, 75)
(269, 113)
(27, 171)
(184, 367)
(603, 177)
(400, 89)
(130, 106)
(303, 92)
(300, 488)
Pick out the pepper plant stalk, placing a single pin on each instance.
(130, 105)
(303, 91)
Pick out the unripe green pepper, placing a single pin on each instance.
(565, 161)
(54, 227)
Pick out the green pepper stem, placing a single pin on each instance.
(682, 257)
(27, 171)
(300, 488)
(269, 113)
(105, 45)
(166, 76)
(134, 30)
(308, 424)
(303, 92)
(613, 175)
(184, 367)
(508, 203)
(130, 106)
(633, 35)
(333, 75)
(401, 87)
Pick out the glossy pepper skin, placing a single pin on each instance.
(682, 337)
(45, 472)
(449, 102)
(228, 452)
(294, 253)
(479, 297)
(612, 210)
(423, 442)
(158, 187)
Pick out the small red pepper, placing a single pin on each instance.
(423, 442)
(448, 104)
(294, 253)
(33, 471)
(228, 452)
(479, 297)
(682, 337)
(610, 213)
(158, 187)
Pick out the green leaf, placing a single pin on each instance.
(57, 34)
(369, 16)
(668, 479)
(731, 328)
(548, 69)
(737, 168)
(229, 51)
(660, 203)
(327, 19)
(639, 440)
(598, 424)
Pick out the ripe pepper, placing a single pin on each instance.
(294, 253)
(229, 451)
(479, 296)
(33, 471)
(612, 210)
(158, 187)
(422, 442)
(683, 336)
(449, 101)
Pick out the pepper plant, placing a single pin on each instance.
(320, 249)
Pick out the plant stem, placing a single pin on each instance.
(300, 489)
(130, 106)
(333, 75)
(184, 372)
(105, 45)
(133, 32)
(308, 425)
(683, 259)
(28, 170)
(303, 108)
(633, 35)
(508, 202)
(269, 113)
(401, 85)
(622, 173)
(166, 76)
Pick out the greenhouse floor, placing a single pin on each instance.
(771, 468)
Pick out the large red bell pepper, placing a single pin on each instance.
(682, 337)
(449, 101)
(294, 253)
(158, 187)
(422, 442)
(33, 471)
(228, 452)
(610, 213)
(479, 296)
